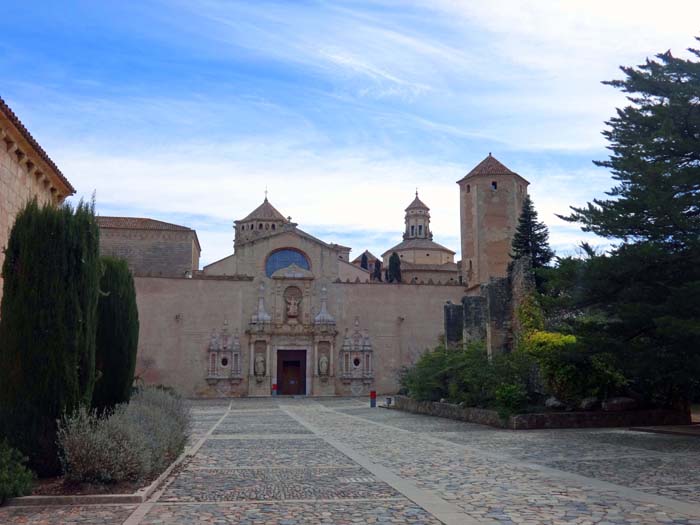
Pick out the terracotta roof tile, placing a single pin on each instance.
(138, 223)
(12, 117)
(264, 212)
(417, 244)
(370, 257)
(489, 166)
(417, 204)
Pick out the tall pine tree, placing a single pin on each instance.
(648, 285)
(531, 238)
(47, 326)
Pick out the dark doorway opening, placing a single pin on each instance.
(291, 372)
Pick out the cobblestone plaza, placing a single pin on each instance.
(325, 461)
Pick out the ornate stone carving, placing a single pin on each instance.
(259, 366)
(261, 316)
(224, 357)
(323, 365)
(323, 317)
(292, 300)
(356, 359)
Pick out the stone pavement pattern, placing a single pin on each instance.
(335, 461)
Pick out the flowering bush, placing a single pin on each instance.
(137, 441)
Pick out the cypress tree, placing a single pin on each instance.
(364, 263)
(394, 268)
(377, 275)
(47, 326)
(117, 335)
(531, 238)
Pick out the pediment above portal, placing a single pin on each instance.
(293, 272)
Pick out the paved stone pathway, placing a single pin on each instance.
(336, 461)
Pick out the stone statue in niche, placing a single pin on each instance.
(292, 307)
(292, 302)
(323, 365)
(259, 366)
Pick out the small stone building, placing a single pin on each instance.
(150, 247)
(26, 173)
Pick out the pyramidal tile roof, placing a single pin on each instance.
(370, 257)
(489, 166)
(265, 212)
(417, 204)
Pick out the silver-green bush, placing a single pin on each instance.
(136, 441)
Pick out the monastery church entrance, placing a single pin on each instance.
(291, 372)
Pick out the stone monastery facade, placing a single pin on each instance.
(286, 312)
(290, 314)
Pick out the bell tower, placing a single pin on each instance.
(417, 221)
(490, 199)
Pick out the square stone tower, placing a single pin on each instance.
(490, 200)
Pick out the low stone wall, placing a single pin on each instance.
(545, 420)
(450, 411)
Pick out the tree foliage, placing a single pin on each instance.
(531, 238)
(394, 274)
(377, 274)
(117, 335)
(47, 325)
(642, 299)
(364, 262)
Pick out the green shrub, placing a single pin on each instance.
(117, 335)
(570, 370)
(468, 376)
(136, 441)
(510, 398)
(47, 326)
(15, 478)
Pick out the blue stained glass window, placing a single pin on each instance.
(283, 258)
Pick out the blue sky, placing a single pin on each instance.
(187, 111)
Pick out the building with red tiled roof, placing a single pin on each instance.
(422, 259)
(150, 247)
(491, 197)
(26, 173)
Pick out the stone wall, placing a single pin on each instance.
(152, 252)
(489, 312)
(543, 420)
(177, 317)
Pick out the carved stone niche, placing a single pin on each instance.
(293, 299)
(224, 357)
(356, 360)
(324, 360)
(260, 364)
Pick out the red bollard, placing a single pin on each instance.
(373, 399)
(274, 389)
